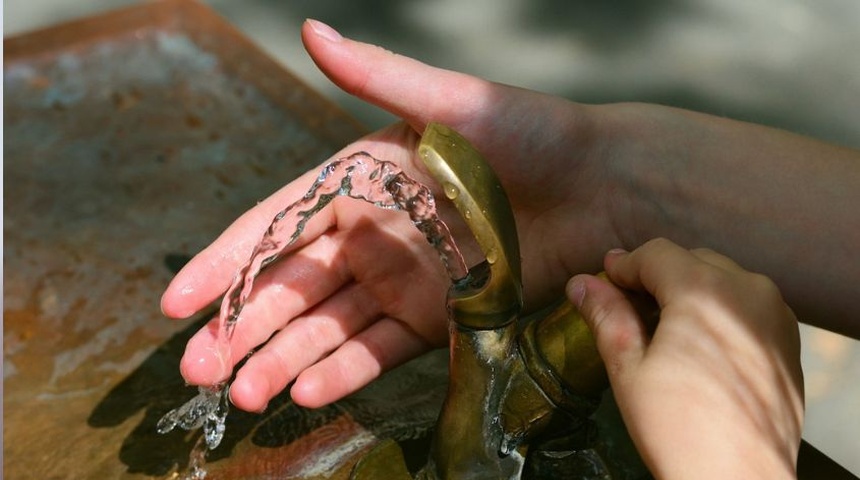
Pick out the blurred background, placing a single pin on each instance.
(793, 64)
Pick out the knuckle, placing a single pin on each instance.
(763, 285)
(322, 331)
(766, 292)
(707, 277)
(656, 244)
(607, 332)
(596, 316)
(706, 251)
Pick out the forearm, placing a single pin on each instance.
(725, 458)
(781, 204)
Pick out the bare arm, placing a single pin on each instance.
(782, 204)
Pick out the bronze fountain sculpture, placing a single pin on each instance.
(515, 384)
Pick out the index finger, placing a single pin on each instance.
(660, 267)
(210, 272)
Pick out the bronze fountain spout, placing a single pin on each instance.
(513, 382)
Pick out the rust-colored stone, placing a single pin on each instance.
(131, 140)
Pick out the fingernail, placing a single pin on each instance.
(230, 395)
(324, 30)
(576, 291)
(616, 252)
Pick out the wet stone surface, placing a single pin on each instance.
(123, 157)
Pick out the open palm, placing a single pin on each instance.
(361, 291)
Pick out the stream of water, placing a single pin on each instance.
(359, 176)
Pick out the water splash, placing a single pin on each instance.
(359, 176)
(208, 410)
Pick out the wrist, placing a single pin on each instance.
(681, 452)
(638, 143)
(704, 430)
(757, 194)
(719, 463)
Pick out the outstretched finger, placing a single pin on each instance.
(403, 86)
(294, 285)
(489, 114)
(303, 342)
(210, 272)
(381, 347)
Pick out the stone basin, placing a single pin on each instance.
(131, 140)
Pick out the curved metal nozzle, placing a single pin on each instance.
(494, 296)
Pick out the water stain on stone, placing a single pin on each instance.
(124, 100)
(193, 121)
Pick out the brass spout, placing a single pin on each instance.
(482, 314)
(507, 385)
(494, 297)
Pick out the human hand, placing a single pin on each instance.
(362, 292)
(580, 179)
(717, 390)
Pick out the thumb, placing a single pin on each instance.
(407, 88)
(618, 331)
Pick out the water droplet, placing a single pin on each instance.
(451, 190)
(468, 214)
(492, 256)
(509, 443)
